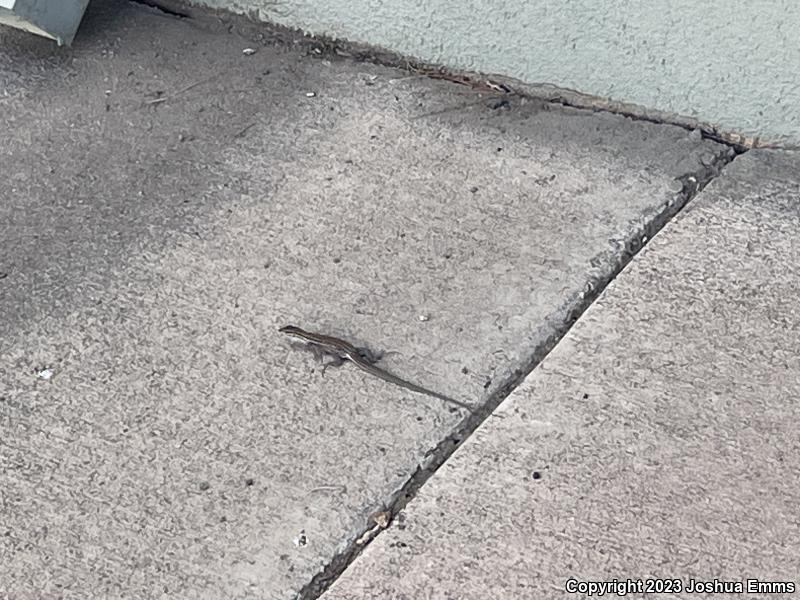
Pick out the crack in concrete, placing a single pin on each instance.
(692, 184)
(165, 6)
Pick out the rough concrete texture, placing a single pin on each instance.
(169, 201)
(730, 64)
(658, 439)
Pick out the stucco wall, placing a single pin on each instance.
(735, 64)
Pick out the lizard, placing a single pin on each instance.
(340, 351)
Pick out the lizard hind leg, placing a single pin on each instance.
(369, 355)
(373, 356)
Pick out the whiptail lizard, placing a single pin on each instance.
(341, 350)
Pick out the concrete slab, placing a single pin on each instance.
(657, 440)
(172, 193)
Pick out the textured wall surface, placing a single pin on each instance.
(732, 64)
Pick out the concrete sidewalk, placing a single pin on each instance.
(657, 442)
(174, 190)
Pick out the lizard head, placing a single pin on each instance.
(289, 329)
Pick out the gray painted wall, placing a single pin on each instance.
(733, 63)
